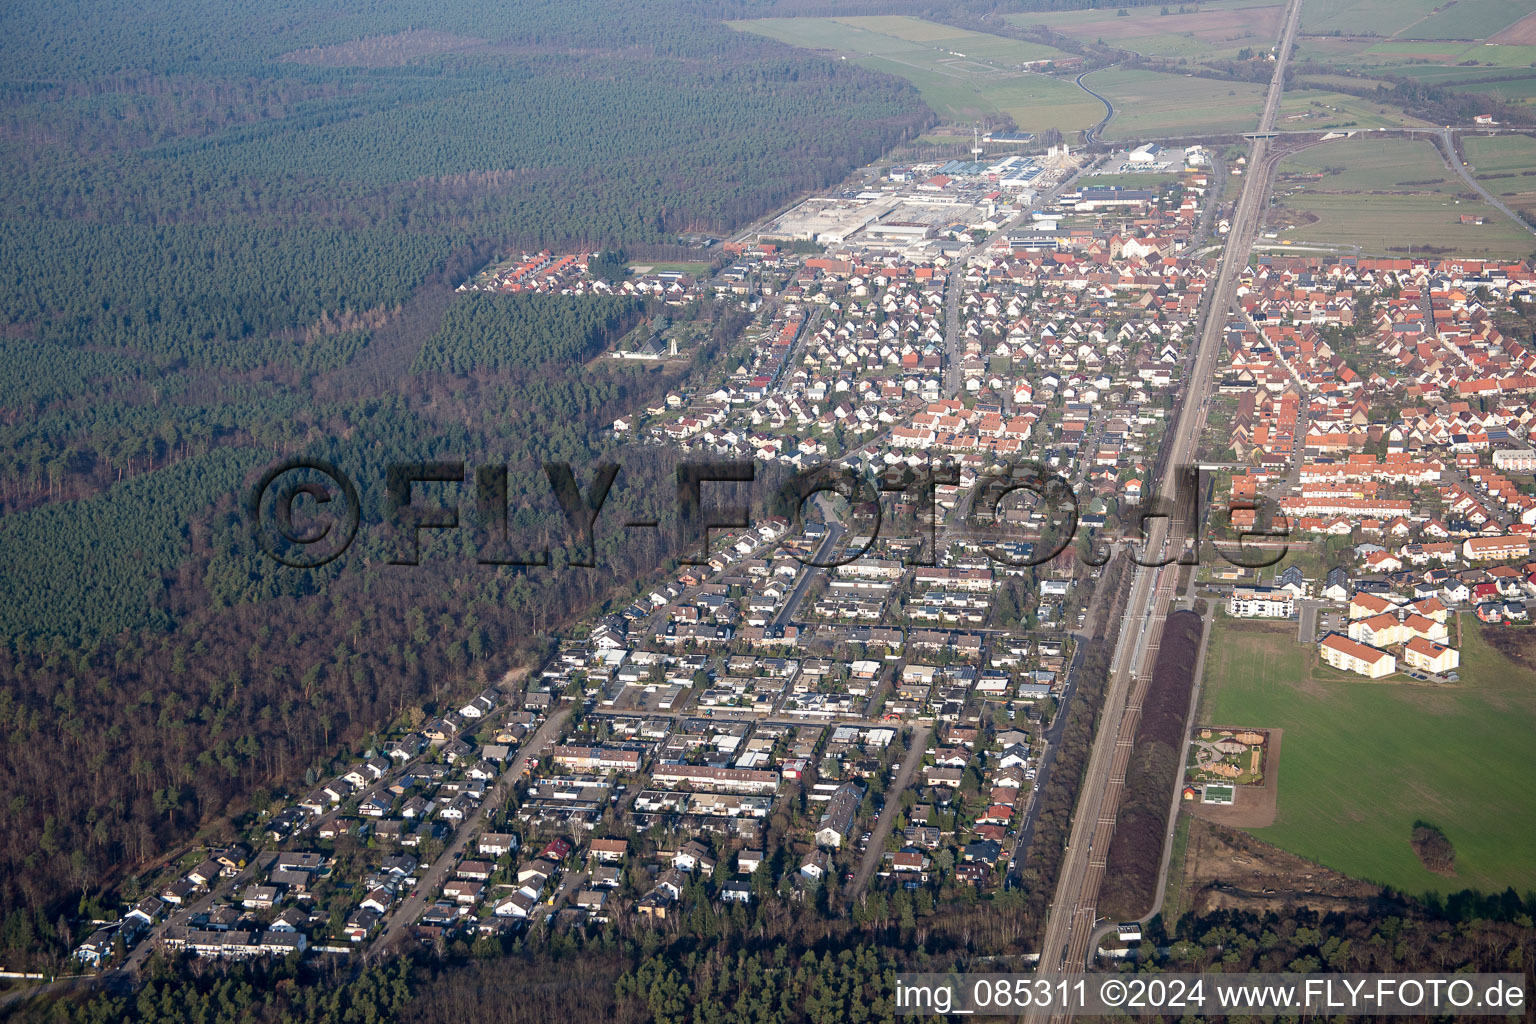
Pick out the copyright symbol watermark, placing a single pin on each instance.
(303, 512)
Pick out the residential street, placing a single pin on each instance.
(875, 851)
(402, 917)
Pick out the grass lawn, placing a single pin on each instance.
(1151, 103)
(1174, 901)
(662, 267)
(1133, 179)
(980, 84)
(1387, 196)
(1362, 760)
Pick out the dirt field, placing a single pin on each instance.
(1254, 806)
(1225, 869)
(1521, 33)
(1518, 644)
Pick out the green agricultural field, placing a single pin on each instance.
(978, 85)
(1367, 164)
(1509, 90)
(1406, 225)
(973, 44)
(1439, 62)
(1152, 104)
(1313, 110)
(1448, 53)
(1386, 196)
(1330, 82)
(928, 44)
(1412, 19)
(1362, 761)
(1378, 17)
(1437, 74)
(1132, 180)
(1506, 165)
(1216, 30)
(1500, 154)
(1468, 19)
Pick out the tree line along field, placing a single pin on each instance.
(1386, 196)
(1365, 760)
(979, 85)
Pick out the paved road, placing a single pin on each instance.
(876, 849)
(1092, 134)
(1072, 923)
(952, 285)
(835, 531)
(402, 917)
(1452, 157)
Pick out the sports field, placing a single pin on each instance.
(1216, 30)
(963, 76)
(1150, 104)
(1364, 760)
(1386, 196)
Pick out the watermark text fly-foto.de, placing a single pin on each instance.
(306, 513)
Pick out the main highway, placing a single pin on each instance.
(1071, 923)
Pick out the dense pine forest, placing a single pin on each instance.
(231, 234)
(759, 965)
